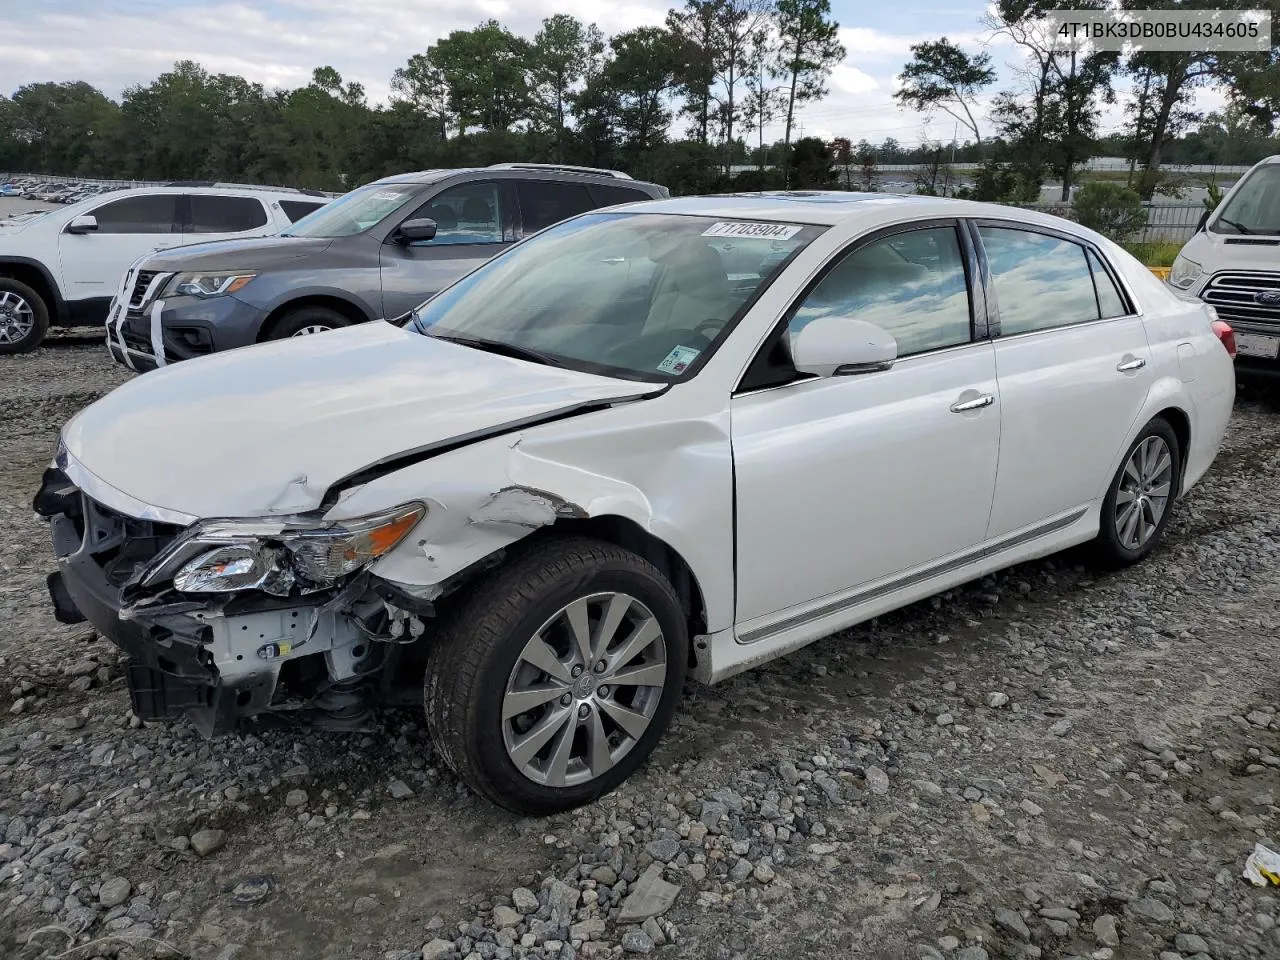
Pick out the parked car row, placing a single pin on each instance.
(54, 191)
(61, 267)
(671, 438)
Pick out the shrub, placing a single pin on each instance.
(1113, 210)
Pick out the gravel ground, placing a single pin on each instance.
(1047, 763)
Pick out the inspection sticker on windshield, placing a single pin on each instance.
(767, 231)
(678, 360)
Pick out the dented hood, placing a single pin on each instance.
(267, 429)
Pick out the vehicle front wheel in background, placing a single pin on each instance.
(1140, 499)
(24, 317)
(305, 321)
(554, 679)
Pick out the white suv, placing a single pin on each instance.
(61, 267)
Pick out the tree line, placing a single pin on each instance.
(678, 104)
(675, 103)
(1046, 124)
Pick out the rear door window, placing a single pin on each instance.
(153, 213)
(216, 214)
(1110, 301)
(1040, 281)
(544, 202)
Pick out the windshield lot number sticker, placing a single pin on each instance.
(678, 360)
(766, 231)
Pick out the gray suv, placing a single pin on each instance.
(378, 251)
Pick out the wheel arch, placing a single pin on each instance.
(333, 301)
(37, 276)
(626, 533)
(1178, 419)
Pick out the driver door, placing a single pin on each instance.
(94, 263)
(474, 221)
(858, 483)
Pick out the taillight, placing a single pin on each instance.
(1227, 336)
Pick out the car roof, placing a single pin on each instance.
(523, 171)
(270, 192)
(830, 207)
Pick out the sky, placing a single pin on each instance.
(113, 44)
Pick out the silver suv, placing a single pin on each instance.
(377, 251)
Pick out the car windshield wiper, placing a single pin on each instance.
(500, 347)
(1231, 223)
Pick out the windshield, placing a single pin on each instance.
(1255, 207)
(353, 212)
(638, 296)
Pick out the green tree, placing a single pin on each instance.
(638, 79)
(61, 128)
(484, 70)
(812, 165)
(559, 59)
(421, 84)
(808, 48)
(694, 30)
(737, 23)
(941, 76)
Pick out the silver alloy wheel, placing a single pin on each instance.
(584, 689)
(17, 318)
(1144, 492)
(310, 329)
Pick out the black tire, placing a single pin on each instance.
(39, 312)
(481, 639)
(1108, 549)
(295, 321)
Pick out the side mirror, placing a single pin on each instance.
(1204, 218)
(840, 346)
(85, 223)
(411, 230)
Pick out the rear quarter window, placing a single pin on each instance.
(295, 210)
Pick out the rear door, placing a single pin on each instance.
(1074, 368)
(474, 221)
(94, 263)
(217, 217)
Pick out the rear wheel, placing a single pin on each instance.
(24, 317)
(305, 321)
(1140, 499)
(556, 677)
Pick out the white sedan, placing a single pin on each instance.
(671, 439)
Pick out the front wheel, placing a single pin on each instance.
(24, 317)
(1140, 500)
(305, 321)
(553, 681)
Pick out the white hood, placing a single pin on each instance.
(1216, 251)
(267, 429)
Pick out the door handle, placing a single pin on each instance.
(1134, 363)
(977, 403)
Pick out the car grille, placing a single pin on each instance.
(141, 284)
(1234, 295)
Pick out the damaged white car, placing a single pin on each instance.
(674, 438)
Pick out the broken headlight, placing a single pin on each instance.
(316, 558)
(206, 285)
